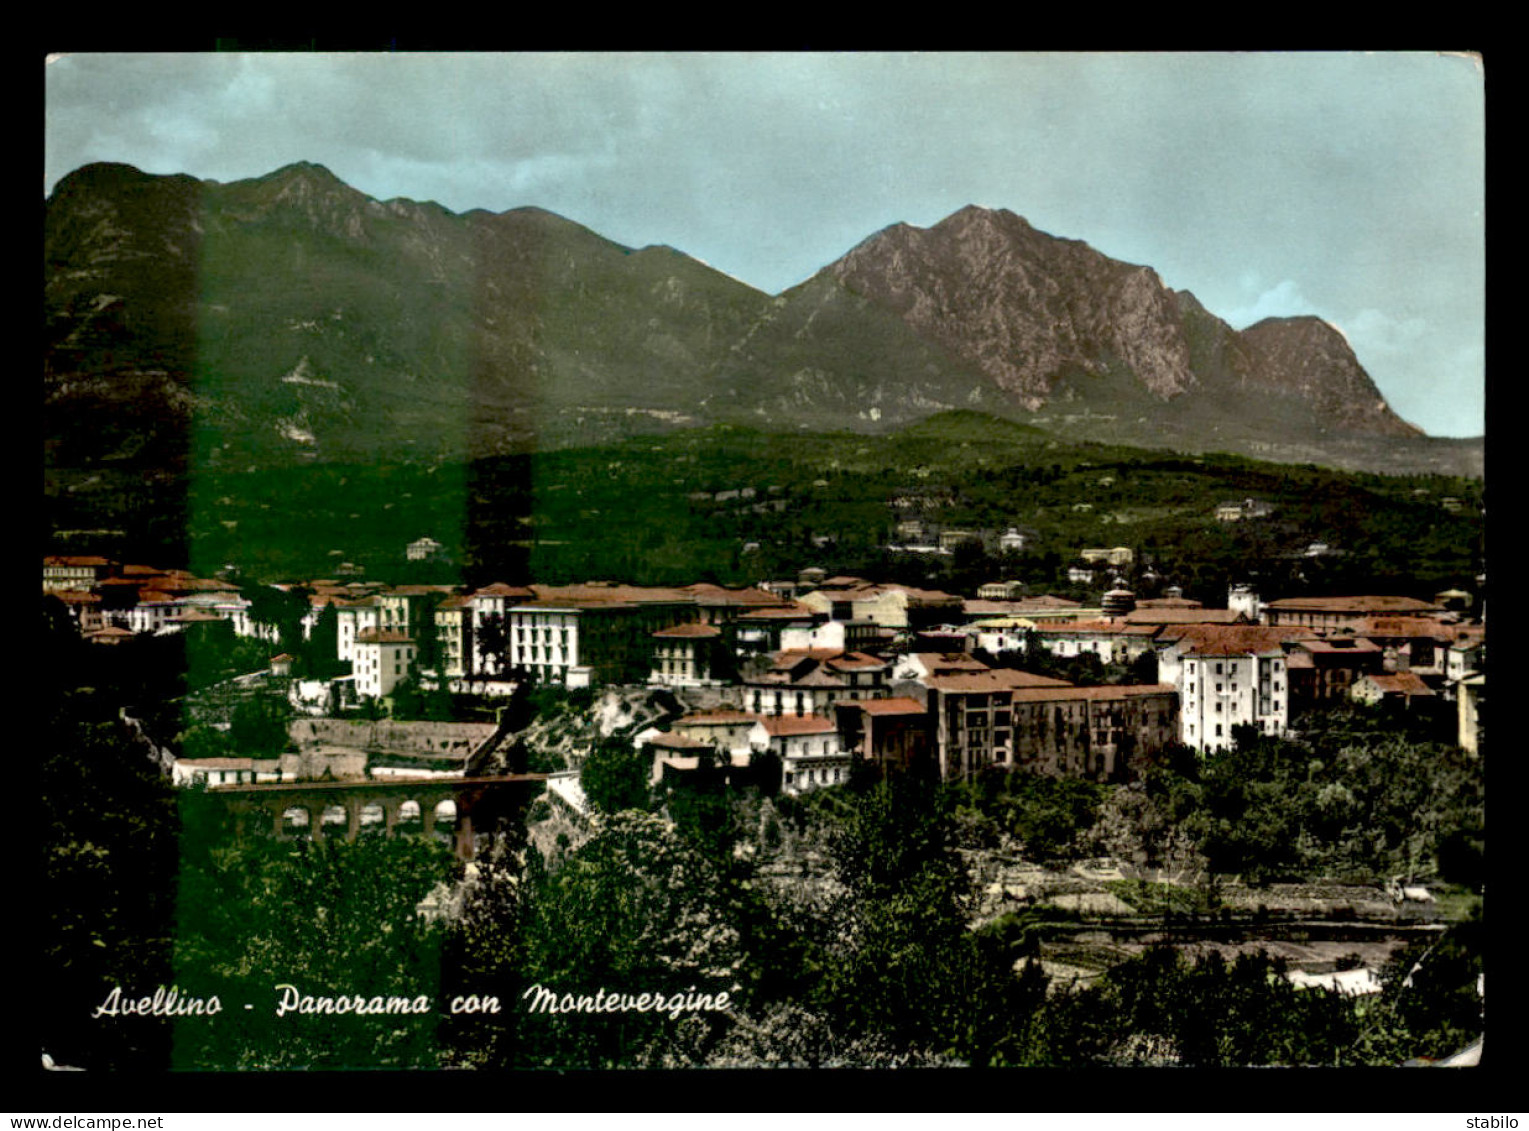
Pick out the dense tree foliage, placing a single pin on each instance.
(1051, 818)
(109, 856)
(683, 514)
(1354, 796)
(1162, 1008)
(615, 777)
(328, 918)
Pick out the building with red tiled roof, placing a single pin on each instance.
(892, 733)
(689, 655)
(1388, 687)
(1418, 644)
(1331, 613)
(721, 605)
(1098, 733)
(1229, 676)
(721, 729)
(193, 616)
(811, 681)
(355, 616)
(1017, 720)
(888, 606)
(991, 680)
(809, 748)
(1324, 670)
(1183, 614)
(83, 606)
(111, 634)
(74, 571)
(574, 635)
(920, 665)
(761, 629)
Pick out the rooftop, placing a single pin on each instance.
(689, 631)
(1357, 605)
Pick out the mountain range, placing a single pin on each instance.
(292, 318)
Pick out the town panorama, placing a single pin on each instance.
(981, 812)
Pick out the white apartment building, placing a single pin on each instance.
(810, 751)
(355, 618)
(1227, 679)
(490, 606)
(452, 617)
(544, 639)
(380, 661)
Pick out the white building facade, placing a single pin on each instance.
(1222, 690)
(381, 661)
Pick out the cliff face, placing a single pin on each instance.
(1026, 308)
(1020, 305)
(1308, 359)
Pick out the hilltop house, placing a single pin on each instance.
(1118, 556)
(423, 550)
(1243, 510)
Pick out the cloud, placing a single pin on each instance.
(1375, 333)
(1283, 300)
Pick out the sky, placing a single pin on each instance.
(1350, 186)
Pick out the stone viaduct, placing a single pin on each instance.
(479, 802)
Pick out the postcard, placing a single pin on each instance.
(673, 561)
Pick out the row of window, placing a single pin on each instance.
(829, 775)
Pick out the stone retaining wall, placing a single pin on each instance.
(451, 739)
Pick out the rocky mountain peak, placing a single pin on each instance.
(544, 324)
(1307, 357)
(1022, 306)
(977, 216)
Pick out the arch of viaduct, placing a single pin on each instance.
(484, 799)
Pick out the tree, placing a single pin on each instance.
(492, 643)
(634, 909)
(321, 651)
(281, 609)
(1159, 1008)
(903, 962)
(1431, 999)
(329, 918)
(258, 728)
(615, 777)
(107, 891)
